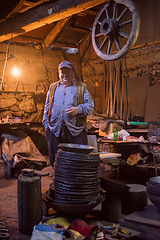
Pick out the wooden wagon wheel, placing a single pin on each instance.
(115, 29)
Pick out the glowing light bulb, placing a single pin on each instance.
(15, 71)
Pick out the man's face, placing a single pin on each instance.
(66, 75)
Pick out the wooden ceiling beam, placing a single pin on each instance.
(53, 34)
(43, 14)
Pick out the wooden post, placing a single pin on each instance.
(107, 89)
(110, 88)
(121, 97)
(104, 88)
(118, 88)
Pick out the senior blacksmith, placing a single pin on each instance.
(67, 105)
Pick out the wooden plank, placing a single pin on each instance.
(88, 42)
(59, 44)
(77, 29)
(26, 39)
(150, 21)
(157, 20)
(137, 102)
(92, 12)
(43, 14)
(152, 110)
(150, 30)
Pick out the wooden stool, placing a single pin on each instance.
(135, 199)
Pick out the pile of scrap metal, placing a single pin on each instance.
(119, 232)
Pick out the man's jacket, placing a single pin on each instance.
(80, 90)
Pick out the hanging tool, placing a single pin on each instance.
(18, 83)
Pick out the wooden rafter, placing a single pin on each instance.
(17, 7)
(43, 14)
(30, 5)
(23, 6)
(53, 34)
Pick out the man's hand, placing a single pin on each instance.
(72, 111)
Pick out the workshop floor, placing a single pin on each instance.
(8, 205)
(9, 213)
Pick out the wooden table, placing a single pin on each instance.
(127, 144)
(4, 126)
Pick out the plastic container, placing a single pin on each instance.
(152, 134)
(115, 134)
(17, 120)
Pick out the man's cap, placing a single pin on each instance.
(65, 64)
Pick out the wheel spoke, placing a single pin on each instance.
(125, 23)
(110, 46)
(114, 10)
(99, 35)
(104, 43)
(122, 14)
(106, 11)
(124, 34)
(118, 44)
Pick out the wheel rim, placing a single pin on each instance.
(115, 29)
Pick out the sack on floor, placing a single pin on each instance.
(47, 232)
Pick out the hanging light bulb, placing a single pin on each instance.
(15, 70)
